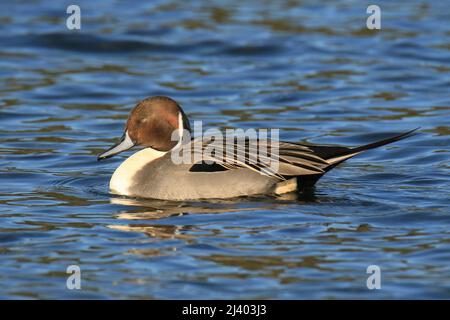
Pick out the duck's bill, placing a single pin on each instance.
(125, 144)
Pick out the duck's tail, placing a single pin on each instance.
(336, 155)
(335, 159)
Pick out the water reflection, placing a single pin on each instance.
(151, 210)
(158, 209)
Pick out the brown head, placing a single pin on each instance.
(151, 123)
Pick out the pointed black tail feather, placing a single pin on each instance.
(350, 152)
(337, 155)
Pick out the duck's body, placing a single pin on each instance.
(160, 178)
(152, 172)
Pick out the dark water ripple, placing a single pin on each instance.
(316, 73)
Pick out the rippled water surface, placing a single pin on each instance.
(310, 68)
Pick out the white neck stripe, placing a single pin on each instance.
(180, 130)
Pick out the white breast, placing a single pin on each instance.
(121, 180)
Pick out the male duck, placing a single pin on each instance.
(153, 173)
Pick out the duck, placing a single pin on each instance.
(160, 127)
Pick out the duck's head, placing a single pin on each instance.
(151, 124)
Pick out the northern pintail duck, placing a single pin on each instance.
(152, 172)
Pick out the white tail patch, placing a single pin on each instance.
(286, 186)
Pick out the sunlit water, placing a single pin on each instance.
(311, 69)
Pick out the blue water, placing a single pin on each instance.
(310, 68)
